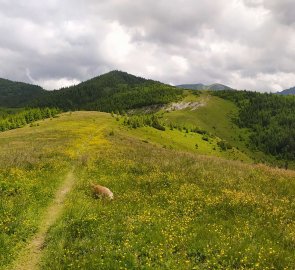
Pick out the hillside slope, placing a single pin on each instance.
(115, 90)
(18, 94)
(213, 115)
(173, 209)
(270, 120)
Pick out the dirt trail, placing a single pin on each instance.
(30, 257)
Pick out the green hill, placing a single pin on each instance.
(270, 119)
(112, 91)
(18, 94)
(213, 115)
(173, 208)
(115, 90)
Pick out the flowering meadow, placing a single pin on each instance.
(172, 209)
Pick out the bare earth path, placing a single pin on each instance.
(29, 258)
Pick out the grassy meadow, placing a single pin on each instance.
(33, 163)
(188, 141)
(175, 207)
(215, 116)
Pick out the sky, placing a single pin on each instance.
(245, 44)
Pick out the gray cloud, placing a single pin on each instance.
(247, 44)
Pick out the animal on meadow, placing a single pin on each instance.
(101, 191)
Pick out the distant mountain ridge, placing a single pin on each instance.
(200, 86)
(290, 91)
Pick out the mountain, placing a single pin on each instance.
(200, 86)
(290, 91)
(112, 91)
(18, 94)
(218, 87)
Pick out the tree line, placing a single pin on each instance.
(142, 120)
(27, 116)
(269, 117)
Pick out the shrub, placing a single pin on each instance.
(224, 145)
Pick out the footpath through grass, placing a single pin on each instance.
(34, 162)
(29, 257)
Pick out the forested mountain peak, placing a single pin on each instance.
(115, 78)
(115, 90)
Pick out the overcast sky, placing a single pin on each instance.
(246, 44)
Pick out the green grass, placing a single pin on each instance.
(33, 162)
(216, 117)
(173, 208)
(29, 177)
(192, 142)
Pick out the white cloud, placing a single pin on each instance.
(242, 43)
(116, 44)
(57, 84)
